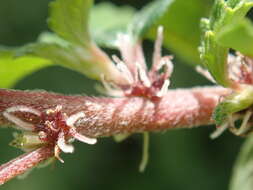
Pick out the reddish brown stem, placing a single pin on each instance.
(109, 116)
(22, 163)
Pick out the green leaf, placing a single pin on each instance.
(238, 36)
(91, 62)
(51, 38)
(226, 16)
(72, 46)
(180, 20)
(103, 33)
(214, 58)
(13, 69)
(118, 18)
(69, 19)
(147, 17)
(242, 177)
(233, 103)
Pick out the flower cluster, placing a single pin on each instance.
(151, 84)
(53, 127)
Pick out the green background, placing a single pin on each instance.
(179, 159)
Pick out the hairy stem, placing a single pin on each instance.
(22, 163)
(182, 108)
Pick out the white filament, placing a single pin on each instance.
(123, 69)
(61, 142)
(205, 73)
(164, 89)
(143, 75)
(71, 121)
(74, 118)
(166, 61)
(14, 119)
(244, 126)
(219, 131)
(158, 47)
(84, 139)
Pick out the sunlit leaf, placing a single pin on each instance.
(51, 38)
(180, 20)
(69, 19)
(13, 69)
(225, 16)
(238, 36)
(104, 32)
(147, 17)
(73, 57)
(71, 46)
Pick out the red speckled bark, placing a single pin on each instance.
(22, 163)
(110, 116)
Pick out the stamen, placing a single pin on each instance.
(58, 108)
(49, 124)
(244, 126)
(23, 109)
(110, 90)
(205, 73)
(125, 47)
(71, 121)
(143, 75)
(139, 55)
(57, 152)
(74, 118)
(164, 89)
(158, 48)
(20, 124)
(123, 68)
(234, 70)
(84, 139)
(166, 62)
(219, 131)
(61, 142)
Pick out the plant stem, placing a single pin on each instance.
(22, 163)
(182, 108)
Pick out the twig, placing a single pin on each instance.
(183, 108)
(22, 163)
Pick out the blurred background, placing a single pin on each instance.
(179, 159)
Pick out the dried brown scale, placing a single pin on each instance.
(109, 116)
(22, 163)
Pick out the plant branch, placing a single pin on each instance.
(182, 108)
(24, 162)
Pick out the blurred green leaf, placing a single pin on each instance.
(180, 20)
(242, 177)
(238, 36)
(13, 69)
(51, 38)
(147, 17)
(74, 48)
(69, 19)
(73, 57)
(104, 32)
(225, 16)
